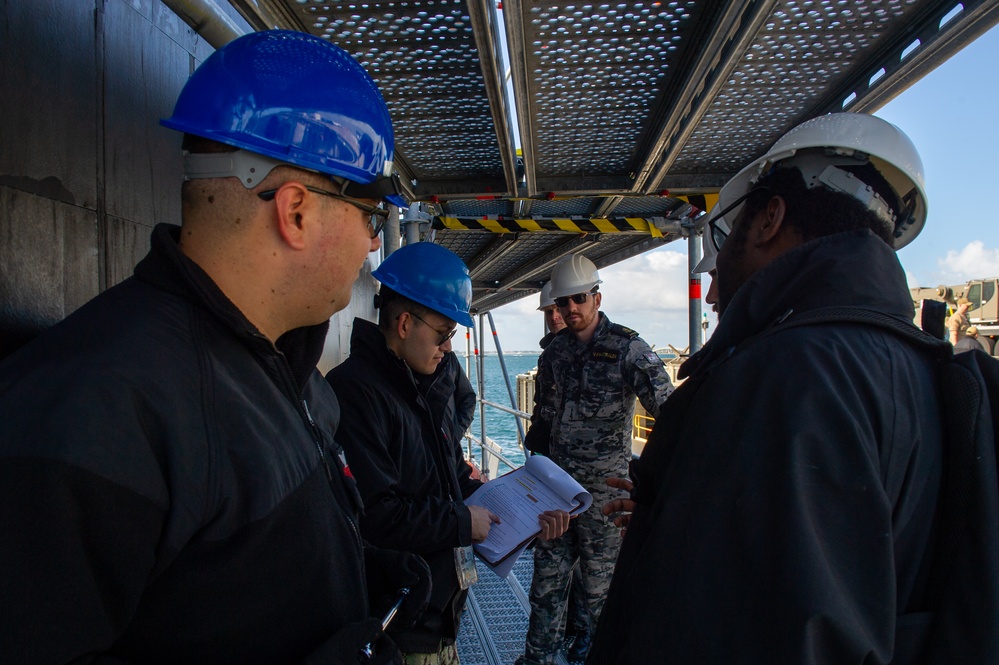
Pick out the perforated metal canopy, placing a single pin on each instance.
(623, 111)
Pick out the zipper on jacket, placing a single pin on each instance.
(317, 438)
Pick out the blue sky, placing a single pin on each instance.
(950, 115)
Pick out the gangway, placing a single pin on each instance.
(620, 123)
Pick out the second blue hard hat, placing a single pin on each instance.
(432, 276)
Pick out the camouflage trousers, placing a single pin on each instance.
(446, 655)
(594, 541)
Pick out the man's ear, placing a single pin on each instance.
(292, 205)
(597, 297)
(772, 222)
(404, 325)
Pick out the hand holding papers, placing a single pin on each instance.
(518, 498)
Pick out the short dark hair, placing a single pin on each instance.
(391, 304)
(819, 211)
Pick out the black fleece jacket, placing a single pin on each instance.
(412, 478)
(163, 491)
(786, 510)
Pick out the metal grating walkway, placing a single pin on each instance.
(494, 624)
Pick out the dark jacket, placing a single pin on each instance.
(163, 493)
(450, 396)
(411, 477)
(538, 439)
(786, 508)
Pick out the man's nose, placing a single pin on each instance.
(376, 243)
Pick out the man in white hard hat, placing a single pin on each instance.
(707, 263)
(784, 511)
(538, 441)
(538, 438)
(553, 320)
(595, 369)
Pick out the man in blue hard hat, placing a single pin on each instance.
(409, 471)
(170, 490)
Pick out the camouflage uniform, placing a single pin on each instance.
(595, 386)
(447, 655)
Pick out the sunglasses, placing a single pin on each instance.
(445, 336)
(377, 216)
(578, 298)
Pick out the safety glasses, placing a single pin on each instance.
(718, 234)
(444, 336)
(377, 216)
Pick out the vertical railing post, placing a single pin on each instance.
(468, 373)
(506, 378)
(694, 331)
(482, 392)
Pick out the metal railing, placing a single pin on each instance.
(490, 451)
(642, 426)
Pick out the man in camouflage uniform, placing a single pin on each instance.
(538, 441)
(596, 369)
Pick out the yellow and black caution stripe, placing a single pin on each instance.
(501, 224)
(703, 202)
(504, 224)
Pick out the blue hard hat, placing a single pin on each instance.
(298, 99)
(432, 276)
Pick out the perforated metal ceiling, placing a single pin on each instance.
(595, 73)
(801, 52)
(612, 103)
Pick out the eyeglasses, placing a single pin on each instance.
(445, 336)
(578, 298)
(719, 235)
(378, 215)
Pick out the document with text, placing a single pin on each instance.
(518, 498)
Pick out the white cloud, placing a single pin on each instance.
(654, 281)
(974, 261)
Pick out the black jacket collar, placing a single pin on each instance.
(167, 268)
(367, 343)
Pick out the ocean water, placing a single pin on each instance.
(501, 427)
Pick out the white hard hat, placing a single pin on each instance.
(546, 296)
(818, 146)
(573, 274)
(708, 251)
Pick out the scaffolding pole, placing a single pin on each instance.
(694, 331)
(468, 372)
(482, 392)
(506, 378)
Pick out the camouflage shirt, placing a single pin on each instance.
(588, 392)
